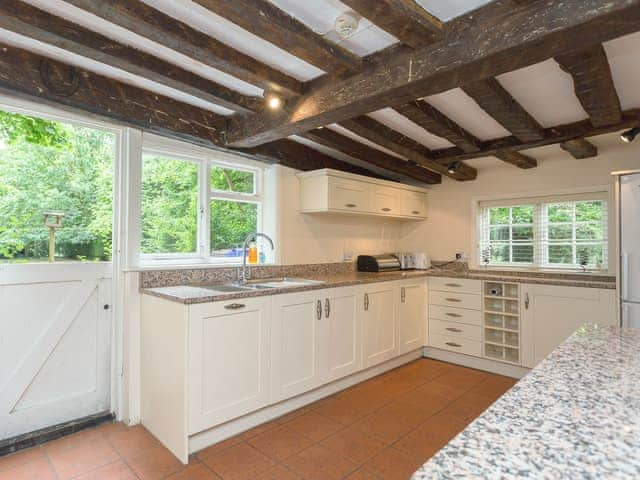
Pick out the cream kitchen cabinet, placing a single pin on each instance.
(551, 313)
(411, 315)
(385, 200)
(378, 320)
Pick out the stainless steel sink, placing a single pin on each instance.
(262, 284)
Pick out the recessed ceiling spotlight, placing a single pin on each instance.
(273, 101)
(453, 167)
(346, 24)
(630, 135)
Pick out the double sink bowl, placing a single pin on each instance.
(262, 284)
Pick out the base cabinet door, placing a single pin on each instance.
(229, 361)
(552, 313)
(340, 334)
(297, 319)
(411, 315)
(378, 323)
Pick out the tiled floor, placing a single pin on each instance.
(382, 429)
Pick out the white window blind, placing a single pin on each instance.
(567, 232)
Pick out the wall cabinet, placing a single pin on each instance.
(379, 326)
(411, 315)
(551, 313)
(326, 191)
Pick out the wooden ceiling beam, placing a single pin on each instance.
(486, 49)
(380, 134)
(593, 84)
(276, 26)
(404, 19)
(370, 158)
(498, 102)
(21, 18)
(517, 159)
(580, 148)
(160, 28)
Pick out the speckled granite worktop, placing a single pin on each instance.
(575, 416)
(189, 286)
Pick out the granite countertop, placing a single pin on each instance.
(576, 415)
(196, 292)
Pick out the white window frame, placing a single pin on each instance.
(566, 195)
(205, 159)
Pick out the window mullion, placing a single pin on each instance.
(203, 208)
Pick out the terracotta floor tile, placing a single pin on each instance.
(430, 436)
(384, 427)
(291, 415)
(437, 387)
(241, 461)
(114, 471)
(320, 463)
(83, 458)
(354, 445)
(72, 441)
(16, 459)
(494, 386)
(428, 369)
(279, 472)
(39, 469)
(281, 442)
(154, 463)
(260, 429)
(468, 407)
(351, 407)
(132, 440)
(364, 473)
(425, 399)
(408, 413)
(463, 378)
(196, 471)
(314, 426)
(218, 447)
(112, 427)
(390, 464)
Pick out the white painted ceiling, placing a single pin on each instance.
(624, 57)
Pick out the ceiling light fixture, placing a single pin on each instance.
(630, 135)
(273, 101)
(346, 24)
(453, 167)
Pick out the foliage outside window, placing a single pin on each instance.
(48, 165)
(556, 234)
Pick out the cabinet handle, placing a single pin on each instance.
(415, 212)
(366, 301)
(454, 315)
(403, 294)
(453, 300)
(455, 285)
(453, 344)
(385, 209)
(327, 307)
(234, 306)
(319, 309)
(350, 205)
(526, 301)
(453, 329)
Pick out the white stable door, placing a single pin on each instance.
(378, 323)
(340, 334)
(229, 360)
(412, 316)
(295, 343)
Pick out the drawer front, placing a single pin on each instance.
(456, 344)
(452, 314)
(453, 329)
(463, 285)
(455, 299)
(348, 195)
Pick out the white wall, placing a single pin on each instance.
(449, 227)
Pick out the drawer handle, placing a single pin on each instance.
(350, 205)
(455, 285)
(454, 315)
(453, 300)
(453, 329)
(453, 344)
(234, 306)
(385, 209)
(416, 212)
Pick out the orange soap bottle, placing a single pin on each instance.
(253, 253)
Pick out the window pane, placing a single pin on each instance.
(499, 216)
(560, 232)
(169, 205)
(561, 254)
(52, 166)
(561, 212)
(231, 222)
(499, 233)
(589, 211)
(500, 253)
(523, 233)
(589, 231)
(522, 214)
(229, 180)
(589, 255)
(523, 253)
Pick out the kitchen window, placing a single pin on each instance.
(563, 232)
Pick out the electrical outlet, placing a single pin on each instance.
(460, 256)
(347, 256)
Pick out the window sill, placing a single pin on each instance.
(559, 271)
(185, 265)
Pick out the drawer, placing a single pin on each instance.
(453, 329)
(453, 314)
(454, 344)
(455, 299)
(463, 285)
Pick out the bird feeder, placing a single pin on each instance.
(52, 220)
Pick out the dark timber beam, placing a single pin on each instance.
(499, 103)
(517, 159)
(154, 25)
(404, 146)
(22, 18)
(370, 158)
(267, 21)
(593, 84)
(404, 19)
(434, 121)
(580, 148)
(486, 49)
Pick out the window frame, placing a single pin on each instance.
(538, 199)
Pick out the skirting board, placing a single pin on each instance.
(217, 434)
(491, 366)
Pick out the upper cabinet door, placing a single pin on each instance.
(378, 323)
(412, 315)
(297, 319)
(414, 204)
(348, 195)
(386, 200)
(229, 345)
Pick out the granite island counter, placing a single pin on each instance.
(576, 415)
